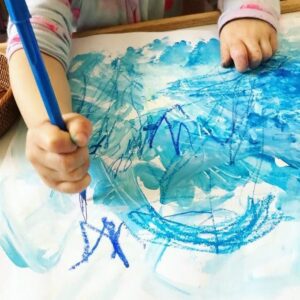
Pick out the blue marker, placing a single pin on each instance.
(20, 16)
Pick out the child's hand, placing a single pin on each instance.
(246, 43)
(62, 164)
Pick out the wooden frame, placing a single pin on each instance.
(187, 21)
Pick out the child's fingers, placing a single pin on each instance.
(38, 157)
(239, 55)
(67, 186)
(75, 175)
(53, 176)
(51, 138)
(64, 163)
(266, 49)
(79, 127)
(254, 53)
(226, 60)
(65, 176)
(60, 162)
(73, 187)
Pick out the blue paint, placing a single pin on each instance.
(220, 131)
(175, 54)
(205, 53)
(199, 137)
(158, 45)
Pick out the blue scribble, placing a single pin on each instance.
(222, 237)
(109, 231)
(175, 138)
(186, 153)
(209, 129)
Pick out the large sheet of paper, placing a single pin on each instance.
(196, 184)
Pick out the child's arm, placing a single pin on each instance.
(60, 162)
(25, 90)
(52, 23)
(248, 31)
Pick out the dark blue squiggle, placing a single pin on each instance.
(153, 128)
(108, 230)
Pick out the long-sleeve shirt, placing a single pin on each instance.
(54, 21)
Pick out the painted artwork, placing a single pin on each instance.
(195, 189)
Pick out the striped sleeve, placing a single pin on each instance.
(266, 10)
(52, 22)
